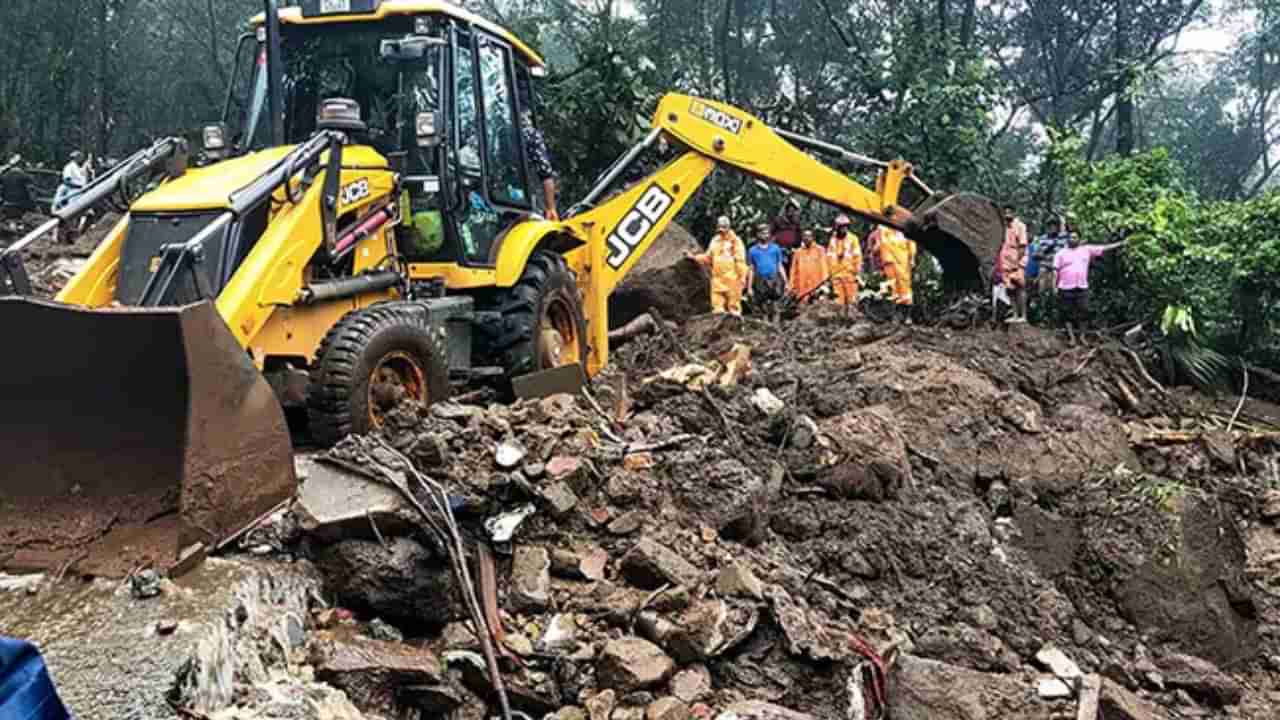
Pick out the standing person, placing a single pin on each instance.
(897, 262)
(74, 179)
(1072, 266)
(727, 259)
(1013, 264)
(535, 147)
(786, 227)
(809, 269)
(1047, 247)
(844, 259)
(767, 281)
(15, 191)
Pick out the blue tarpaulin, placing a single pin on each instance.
(26, 691)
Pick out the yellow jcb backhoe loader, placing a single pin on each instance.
(363, 226)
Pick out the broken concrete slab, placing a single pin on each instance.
(650, 565)
(109, 662)
(333, 504)
(633, 663)
(531, 579)
(372, 672)
(1054, 660)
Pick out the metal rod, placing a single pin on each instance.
(275, 73)
(235, 75)
(615, 171)
(826, 147)
(30, 237)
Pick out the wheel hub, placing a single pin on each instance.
(560, 342)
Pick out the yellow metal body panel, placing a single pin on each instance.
(456, 277)
(390, 8)
(95, 284)
(296, 331)
(208, 188)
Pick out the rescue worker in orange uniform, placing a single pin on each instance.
(844, 258)
(809, 269)
(898, 260)
(1013, 264)
(727, 258)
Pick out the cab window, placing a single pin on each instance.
(502, 130)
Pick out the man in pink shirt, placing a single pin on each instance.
(1072, 268)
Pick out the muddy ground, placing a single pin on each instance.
(53, 260)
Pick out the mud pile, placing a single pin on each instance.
(746, 520)
(663, 280)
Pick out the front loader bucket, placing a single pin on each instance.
(131, 437)
(964, 231)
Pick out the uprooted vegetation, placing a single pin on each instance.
(737, 507)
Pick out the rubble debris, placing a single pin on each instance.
(929, 690)
(1090, 696)
(1056, 661)
(1270, 506)
(968, 647)
(1053, 689)
(649, 565)
(633, 663)
(144, 584)
(760, 710)
(531, 579)
(692, 683)
(502, 528)
(870, 460)
(767, 403)
(561, 499)
(508, 455)
(667, 708)
(380, 629)
(1117, 703)
(600, 706)
(560, 635)
(585, 564)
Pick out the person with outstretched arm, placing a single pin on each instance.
(1072, 268)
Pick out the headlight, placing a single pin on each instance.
(215, 137)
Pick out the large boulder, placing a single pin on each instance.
(869, 455)
(403, 582)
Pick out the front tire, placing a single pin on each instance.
(369, 362)
(543, 326)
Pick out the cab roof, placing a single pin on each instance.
(389, 8)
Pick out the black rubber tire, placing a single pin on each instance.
(338, 396)
(518, 346)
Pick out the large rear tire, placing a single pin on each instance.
(543, 325)
(370, 361)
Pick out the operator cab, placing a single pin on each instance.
(441, 94)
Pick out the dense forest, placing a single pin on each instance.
(1101, 109)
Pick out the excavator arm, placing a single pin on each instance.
(960, 230)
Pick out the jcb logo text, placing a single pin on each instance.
(637, 225)
(719, 118)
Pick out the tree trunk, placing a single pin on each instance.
(968, 21)
(1125, 139)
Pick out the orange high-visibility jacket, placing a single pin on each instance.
(727, 258)
(844, 256)
(808, 269)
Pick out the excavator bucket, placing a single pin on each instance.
(964, 231)
(132, 438)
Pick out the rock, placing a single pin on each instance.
(1270, 510)
(560, 498)
(1202, 679)
(518, 643)
(434, 700)
(166, 627)
(968, 647)
(929, 690)
(635, 462)
(628, 713)
(981, 616)
(692, 683)
(1080, 632)
(1117, 703)
(509, 454)
(804, 635)
(569, 712)
(571, 471)
(857, 565)
(624, 488)
(871, 454)
(334, 504)
(144, 584)
(737, 580)
(1053, 689)
(767, 403)
(649, 565)
(628, 523)
(379, 629)
(1056, 661)
(583, 564)
(531, 579)
(667, 708)
(560, 635)
(698, 633)
(600, 706)
(633, 663)
(1090, 692)
(804, 433)
(760, 710)
(372, 671)
(405, 583)
(430, 450)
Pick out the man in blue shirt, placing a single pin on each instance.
(765, 279)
